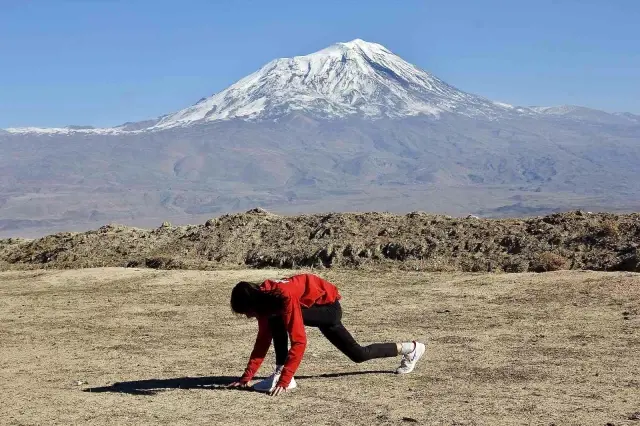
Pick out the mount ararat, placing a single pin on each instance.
(352, 127)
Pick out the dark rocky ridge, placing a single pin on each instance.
(419, 241)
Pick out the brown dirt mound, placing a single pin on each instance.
(417, 241)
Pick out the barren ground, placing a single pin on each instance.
(560, 347)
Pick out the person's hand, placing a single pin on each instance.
(278, 390)
(238, 384)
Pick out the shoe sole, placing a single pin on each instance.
(419, 355)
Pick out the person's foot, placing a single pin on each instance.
(408, 362)
(269, 384)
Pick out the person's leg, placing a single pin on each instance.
(322, 315)
(280, 339)
(328, 319)
(344, 341)
(315, 316)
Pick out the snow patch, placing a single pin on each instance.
(503, 105)
(63, 130)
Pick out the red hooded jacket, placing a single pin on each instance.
(300, 291)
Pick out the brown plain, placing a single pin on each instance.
(131, 346)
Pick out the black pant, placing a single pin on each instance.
(328, 319)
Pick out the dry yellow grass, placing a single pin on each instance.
(548, 348)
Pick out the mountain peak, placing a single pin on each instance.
(354, 48)
(365, 46)
(345, 79)
(358, 45)
(358, 42)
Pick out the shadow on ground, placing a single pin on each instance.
(153, 386)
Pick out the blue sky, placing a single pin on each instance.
(104, 62)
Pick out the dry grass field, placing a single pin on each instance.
(128, 346)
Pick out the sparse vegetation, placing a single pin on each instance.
(610, 229)
(548, 261)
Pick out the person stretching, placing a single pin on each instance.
(284, 307)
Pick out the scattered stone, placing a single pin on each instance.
(258, 211)
(416, 214)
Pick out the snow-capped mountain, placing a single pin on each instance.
(344, 79)
(356, 78)
(351, 127)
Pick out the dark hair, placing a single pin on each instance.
(247, 298)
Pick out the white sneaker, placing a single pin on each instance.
(408, 362)
(269, 384)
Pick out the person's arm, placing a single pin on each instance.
(260, 349)
(298, 337)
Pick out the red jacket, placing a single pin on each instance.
(300, 291)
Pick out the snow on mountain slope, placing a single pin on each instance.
(583, 114)
(344, 79)
(63, 130)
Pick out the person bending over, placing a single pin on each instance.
(284, 307)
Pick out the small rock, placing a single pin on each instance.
(634, 416)
(257, 210)
(81, 382)
(165, 224)
(416, 213)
